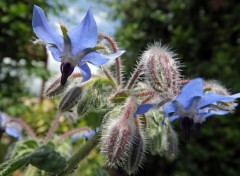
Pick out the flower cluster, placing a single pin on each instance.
(136, 116)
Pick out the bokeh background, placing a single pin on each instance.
(204, 33)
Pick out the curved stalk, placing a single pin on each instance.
(81, 154)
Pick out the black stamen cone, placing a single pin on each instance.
(64, 78)
(66, 69)
(186, 124)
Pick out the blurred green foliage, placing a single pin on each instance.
(206, 37)
(19, 58)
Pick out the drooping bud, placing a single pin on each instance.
(70, 99)
(169, 145)
(162, 70)
(66, 70)
(94, 99)
(216, 87)
(118, 135)
(154, 132)
(55, 88)
(137, 152)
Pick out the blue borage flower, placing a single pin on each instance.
(76, 47)
(193, 106)
(11, 128)
(84, 134)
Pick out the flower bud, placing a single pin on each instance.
(70, 99)
(118, 135)
(169, 145)
(55, 88)
(137, 152)
(215, 87)
(154, 132)
(162, 70)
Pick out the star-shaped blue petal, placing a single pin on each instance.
(76, 48)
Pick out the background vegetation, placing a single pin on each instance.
(204, 33)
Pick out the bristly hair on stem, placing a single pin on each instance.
(118, 61)
(137, 72)
(109, 76)
(25, 126)
(53, 128)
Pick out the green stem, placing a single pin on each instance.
(81, 154)
(110, 77)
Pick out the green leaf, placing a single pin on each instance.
(11, 165)
(22, 148)
(47, 159)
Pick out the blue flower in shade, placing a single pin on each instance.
(11, 128)
(86, 134)
(193, 106)
(76, 47)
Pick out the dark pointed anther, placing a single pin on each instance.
(186, 124)
(66, 70)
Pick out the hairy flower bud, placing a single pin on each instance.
(154, 132)
(216, 87)
(137, 153)
(70, 99)
(169, 145)
(118, 135)
(162, 70)
(55, 88)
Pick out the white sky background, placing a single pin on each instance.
(70, 17)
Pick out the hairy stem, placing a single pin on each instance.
(27, 128)
(145, 93)
(109, 76)
(53, 128)
(81, 154)
(134, 76)
(118, 61)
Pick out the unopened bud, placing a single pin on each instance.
(154, 132)
(70, 99)
(118, 135)
(216, 87)
(137, 152)
(169, 145)
(55, 88)
(162, 70)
